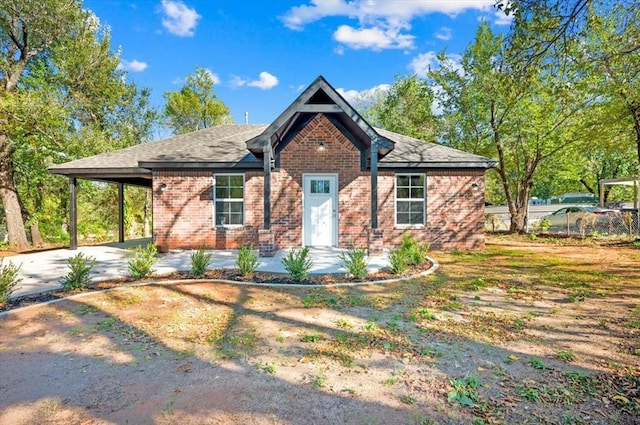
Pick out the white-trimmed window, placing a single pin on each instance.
(410, 205)
(228, 199)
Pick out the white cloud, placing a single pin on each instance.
(265, 81)
(364, 97)
(370, 10)
(214, 77)
(382, 24)
(424, 62)
(444, 33)
(179, 19)
(502, 18)
(132, 66)
(373, 38)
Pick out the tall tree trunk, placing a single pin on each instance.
(9, 197)
(36, 236)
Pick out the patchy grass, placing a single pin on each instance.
(535, 333)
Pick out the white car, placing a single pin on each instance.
(577, 215)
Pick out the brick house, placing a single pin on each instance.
(319, 175)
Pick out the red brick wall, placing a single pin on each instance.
(302, 156)
(183, 213)
(455, 210)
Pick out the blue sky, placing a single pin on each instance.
(262, 53)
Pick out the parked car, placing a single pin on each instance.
(577, 215)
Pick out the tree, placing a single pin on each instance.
(612, 52)
(195, 106)
(28, 29)
(61, 97)
(407, 109)
(501, 107)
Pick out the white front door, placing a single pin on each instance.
(320, 218)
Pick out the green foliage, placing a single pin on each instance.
(566, 355)
(537, 364)
(311, 338)
(140, 265)
(247, 260)
(8, 280)
(415, 251)
(297, 264)
(200, 261)
(409, 253)
(464, 390)
(196, 105)
(544, 224)
(78, 276)
(398, 261)
(355, 261)
(407, 108)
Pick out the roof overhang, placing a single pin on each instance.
(457, 165)
(135, 176)
(191, 165)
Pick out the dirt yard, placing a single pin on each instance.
(522, 332)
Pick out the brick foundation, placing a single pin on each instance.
(266, 243)
(376, 241)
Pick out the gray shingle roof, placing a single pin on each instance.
(414, 152)
(225, 144)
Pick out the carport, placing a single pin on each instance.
(118, 167)
(620, 182)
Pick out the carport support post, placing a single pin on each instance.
(120, 212)
(73, 214)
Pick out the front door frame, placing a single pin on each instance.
(334, 216)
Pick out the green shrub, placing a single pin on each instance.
(247, 260)
(8, 280)
(297, 264)
(143, 259)
(416, 252)
(200, 261)
(544, 225)
(78, 277)
(355, 261)
(398, 261)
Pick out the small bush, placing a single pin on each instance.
(398, 261)
(355, 261)
(8, 280)
(78, 277)
(297, 264)
(143, 259)
(200, 261)
(247, 260)
(415, 251)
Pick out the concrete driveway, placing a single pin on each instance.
(42, 271)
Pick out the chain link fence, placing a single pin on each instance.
(624, 223)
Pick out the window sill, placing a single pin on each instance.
(229, 226)
(409, 226)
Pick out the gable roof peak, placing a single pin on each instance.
(318, 98)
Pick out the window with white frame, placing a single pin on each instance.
(410, 204)
(228, 199)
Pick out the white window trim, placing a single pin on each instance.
(244, 196)
(396, 199)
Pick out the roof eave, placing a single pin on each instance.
(204, 165)
(454, 164)
(107, 172)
